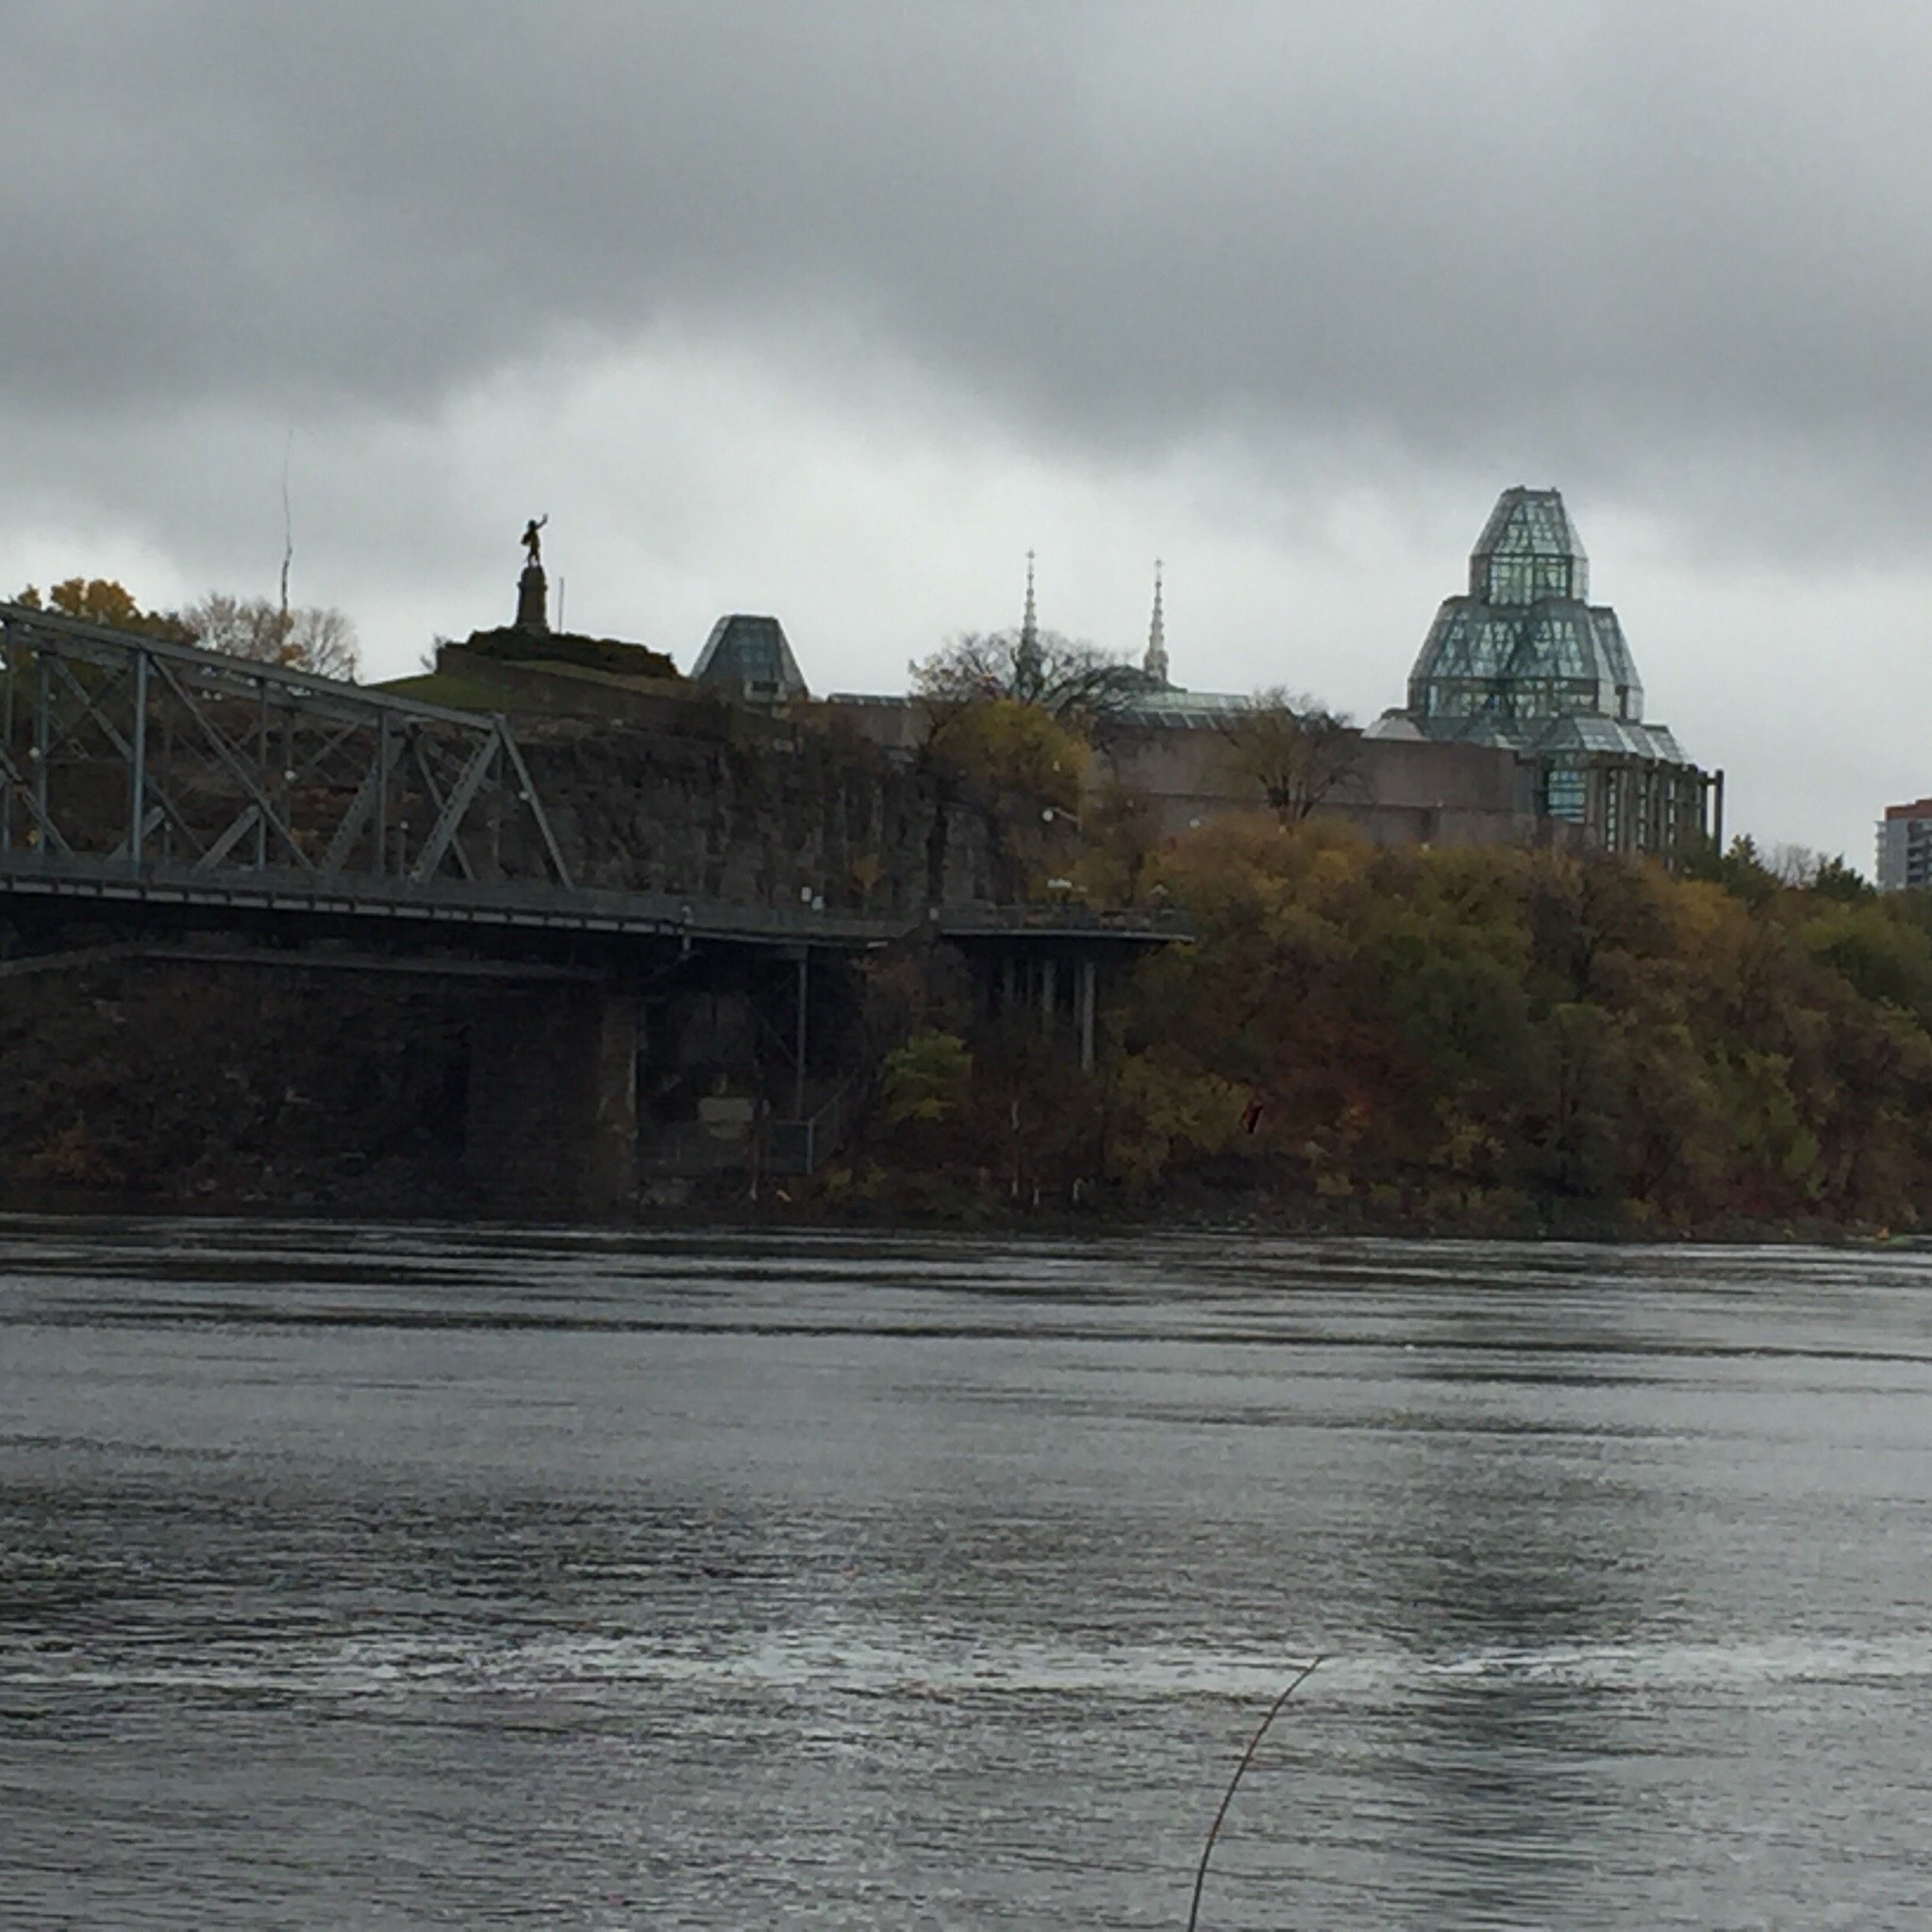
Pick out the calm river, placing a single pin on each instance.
(388, 1577)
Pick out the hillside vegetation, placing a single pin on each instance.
(1485, 1038)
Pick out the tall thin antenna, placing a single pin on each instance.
(288, 529)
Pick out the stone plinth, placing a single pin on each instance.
(533, 599)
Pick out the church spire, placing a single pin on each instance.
(1027, 659)
(1155, 662)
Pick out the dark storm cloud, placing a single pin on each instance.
(1485, 229)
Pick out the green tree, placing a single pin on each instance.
(1835, 879)
(927, 1078)
(1739, 869)
(1881, 956)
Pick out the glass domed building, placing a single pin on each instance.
(1524, 661)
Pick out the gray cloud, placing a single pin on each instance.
(836, 308)
(1480, 227)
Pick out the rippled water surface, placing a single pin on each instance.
(384, 1578)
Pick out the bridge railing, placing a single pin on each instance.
(1058, 919)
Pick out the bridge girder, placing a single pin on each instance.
(134, 749)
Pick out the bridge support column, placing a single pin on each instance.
(553, 1104)
(1087, 1001)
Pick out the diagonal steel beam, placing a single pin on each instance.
(142, 782)
(151, 821)
(224, 751)
(246, 821)
(527, 792)
(36, 810)
(361, 808)
(462, 795)
(426, 772)
(62, 731)
(83, 673)
(311, 759)
(241, 674)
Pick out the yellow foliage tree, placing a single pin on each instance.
(1015, 747)
(102, 601)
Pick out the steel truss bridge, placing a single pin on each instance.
(141, 774)
(160, 785)
(153, 794)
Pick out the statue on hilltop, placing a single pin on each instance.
(533, 594)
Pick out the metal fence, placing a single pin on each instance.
(780, 1148)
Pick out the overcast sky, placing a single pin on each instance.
(836, 310)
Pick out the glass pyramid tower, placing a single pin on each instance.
(751, 657)
(1524, 658)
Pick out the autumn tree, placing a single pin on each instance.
(305, 639)
(105, 602)
(1012, 747)
(1296, 752)
(1485, 1038)
(927, 1078)
(1123, 833)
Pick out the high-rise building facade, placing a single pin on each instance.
(1905, 847)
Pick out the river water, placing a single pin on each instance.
(391, 1577)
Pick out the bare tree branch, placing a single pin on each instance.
(1074, 682)
(307, 639)
(1299, 753)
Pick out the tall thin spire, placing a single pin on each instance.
(1155, 662)
(1027, 659)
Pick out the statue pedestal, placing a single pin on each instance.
(533, 599)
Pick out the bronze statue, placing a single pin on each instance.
(533, 542)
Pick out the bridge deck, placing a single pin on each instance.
(475, 903)
(443, 903)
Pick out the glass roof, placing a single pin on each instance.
(1188, 710)
(1524, 648)
(1529, 548)
(1607, 735)
(750, 654)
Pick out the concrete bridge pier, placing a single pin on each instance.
(1058, 981)
(552, 1125)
